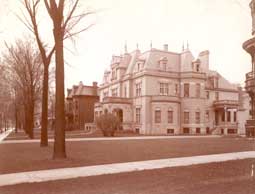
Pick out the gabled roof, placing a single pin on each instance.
(82, 90)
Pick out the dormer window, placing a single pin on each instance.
(198, 67)
(163, 63)
(163, 66)
(138, 67)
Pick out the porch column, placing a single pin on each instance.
(225, 121)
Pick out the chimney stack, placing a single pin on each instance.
(94, 84)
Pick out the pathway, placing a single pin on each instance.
(112, 138)
(87, 171)
(5, 134)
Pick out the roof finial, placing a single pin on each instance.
(137, 46)
(151, 44)
(187, 45)
(125, 47)
(183, 46)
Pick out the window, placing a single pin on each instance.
(76, 105)
(223, 116)
(115, 92)
(139, 66)
(207, 115)
(138, 115)
(176, 89)
(157, 116)
(216, 82)
(207, 94)
(96, 114)
(198, 130)
(216, 95)
(125, 91)
(207, 130)
(105, 94)
(235, 116)
(170, 131)
(198, 90)
(186, 117)
(163, 66)
(170, 116)
(186, 90)
(163, 89)
(197, 67)
(186, 130)
(197, 117)
(228, 116)
(138, 89)
(210, 82)
(70, 107)
(114, 75)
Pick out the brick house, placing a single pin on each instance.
(80, 102)
(163, 92)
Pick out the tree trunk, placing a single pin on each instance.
(44, 124)
(59, 143)
(30, 121)
(26, 120)
(16, 119)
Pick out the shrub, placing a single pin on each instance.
(108, 123)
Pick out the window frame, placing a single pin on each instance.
(170, 115)
(186, 117)
(157, 116)
(197, 117)
(186, 88)
(138, 115)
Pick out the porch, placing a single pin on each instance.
(225, 121)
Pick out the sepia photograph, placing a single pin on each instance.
(127, 96)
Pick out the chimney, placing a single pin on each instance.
(69, 91)
(95, 88)
(94, 84)
(165, 47)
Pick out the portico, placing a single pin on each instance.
(226, 116)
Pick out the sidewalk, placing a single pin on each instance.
(112, 138)
(69, 173)
(5, 134)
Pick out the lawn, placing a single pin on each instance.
(29, 156)
(232, 177)
(69, 134)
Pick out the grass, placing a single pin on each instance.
(232, 177)
(69, 134)
(29, 156)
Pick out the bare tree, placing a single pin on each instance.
(5, 100)
(31, 7)
(25, 73)
(65, 26)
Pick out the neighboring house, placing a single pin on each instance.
(80, 102)
(163, 92)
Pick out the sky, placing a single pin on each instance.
(220, 26)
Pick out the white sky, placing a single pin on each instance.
(220, 26)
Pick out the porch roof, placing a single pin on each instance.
(219, 104)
